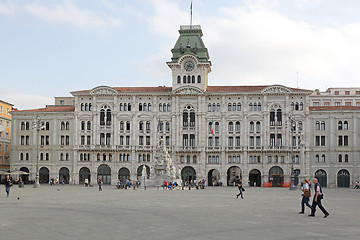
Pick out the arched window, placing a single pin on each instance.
(82, 125)
(193, 79)
(81, 157)
(140, 107)
(185, 118)
(108, 117)
(168, 107)
(128, 126)
(125, 107)
(62, 126)
(27, 126)
(213, 107)
(21, 156)
(192, 118)
(164, 107)
(255, 106)
(67, 157)
(148, 157)
(322, 125)
(22, 126)
(272, 117)
(178, 79)
(104, 157)
(199, 79)
(129, 107)
(88, 125)
(102, 117)
(234, 107)
(317, 158)
(140, 125)
(149, 107)
(121, 107)
(300, 126)
(218, 107)
(47, 126)
(231, 126)
(279, 117)
(229, 107)
(145, 107)
(301, 106)
(188, 79)
(239, 106)
(317, 125)
(148, 126)
(258, 126)
(184, 79)
(67, 126)
(167, 126)
(194, 159)
(210, 127)
(160, 107)
(121, 125)
(346, 125)
(340, 125)
(296, 106)
(250, 106)
(98, 157)
(90, 107)
(82, 107)
(259, 106)
(140, 157)
(292, 106)
(340, 158)
(216, 126)
(237, 126)
(323, 158)
(251, 126)
(86, 106)
(346, 158)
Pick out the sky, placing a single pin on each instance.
(49, 48)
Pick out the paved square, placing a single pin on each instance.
(76, 212)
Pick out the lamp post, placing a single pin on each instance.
(37, 125)
(292, 129)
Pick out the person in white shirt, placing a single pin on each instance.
(305, 196)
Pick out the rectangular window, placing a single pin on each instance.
(237, 140)
(229, 159)
(217, 142)
(62, 140)
(148, 140)
(231, 142)
(336, 92)
(347, 103)
(121, 140)
(185, 140)
(258, 141)
(347, 92)
(282, 159)
(269, 159)
(326, 103)
(127, 140)
(317, 141)
(315, 104)
(210, 143)
(192, 140)
(346, 141)
(67, 140)
(167, 141)
(251, 141)
(337, 103)
(141, 140)
(322, 140)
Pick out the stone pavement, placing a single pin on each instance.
(76, 212)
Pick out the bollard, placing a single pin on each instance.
(134, 187)
(189, 188)
(182, 188)
(145, 187)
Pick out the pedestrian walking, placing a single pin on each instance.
(240, 187)
(318, 196)
(306, 194)
(99, 183)
(8, 185)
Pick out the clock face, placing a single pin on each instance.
(189, 66)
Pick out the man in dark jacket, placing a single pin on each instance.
(318, 196)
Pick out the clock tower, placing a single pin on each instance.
(190, 63)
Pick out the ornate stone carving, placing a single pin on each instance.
(188, 91)
(276, 89)
(103, 90)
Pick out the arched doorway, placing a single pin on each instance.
(233, 175)
(321, 175)
(139, 172)
(296, 176)
(64, 175)
(104, 173)
(24, 177)
(84, 173)
(276, 176)
(188, 173)
(124, 174)
(44, 175)
(213, 178)
(343, 178)
(255, 178)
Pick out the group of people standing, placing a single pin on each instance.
(318, 196)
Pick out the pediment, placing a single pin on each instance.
(276, 89)
(103, 90)
(188, 91)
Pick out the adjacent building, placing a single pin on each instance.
(217, 133)
(5, 135)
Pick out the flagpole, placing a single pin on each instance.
(191, 13)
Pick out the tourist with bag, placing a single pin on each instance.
(305, 196)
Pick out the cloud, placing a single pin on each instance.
(254, 44)
(26, 101)
(70, 13)
(7, 9)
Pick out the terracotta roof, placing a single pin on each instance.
(333, 108)
(50, 109)
(135, 89)
(244, 88)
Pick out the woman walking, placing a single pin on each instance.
(240, 187)
(100, 182)
(305, 196)
(8, 185)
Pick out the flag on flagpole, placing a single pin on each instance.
(212, 127)
(191, 13)
(158, 126)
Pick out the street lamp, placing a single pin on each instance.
(292, 129)
(37, 125)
